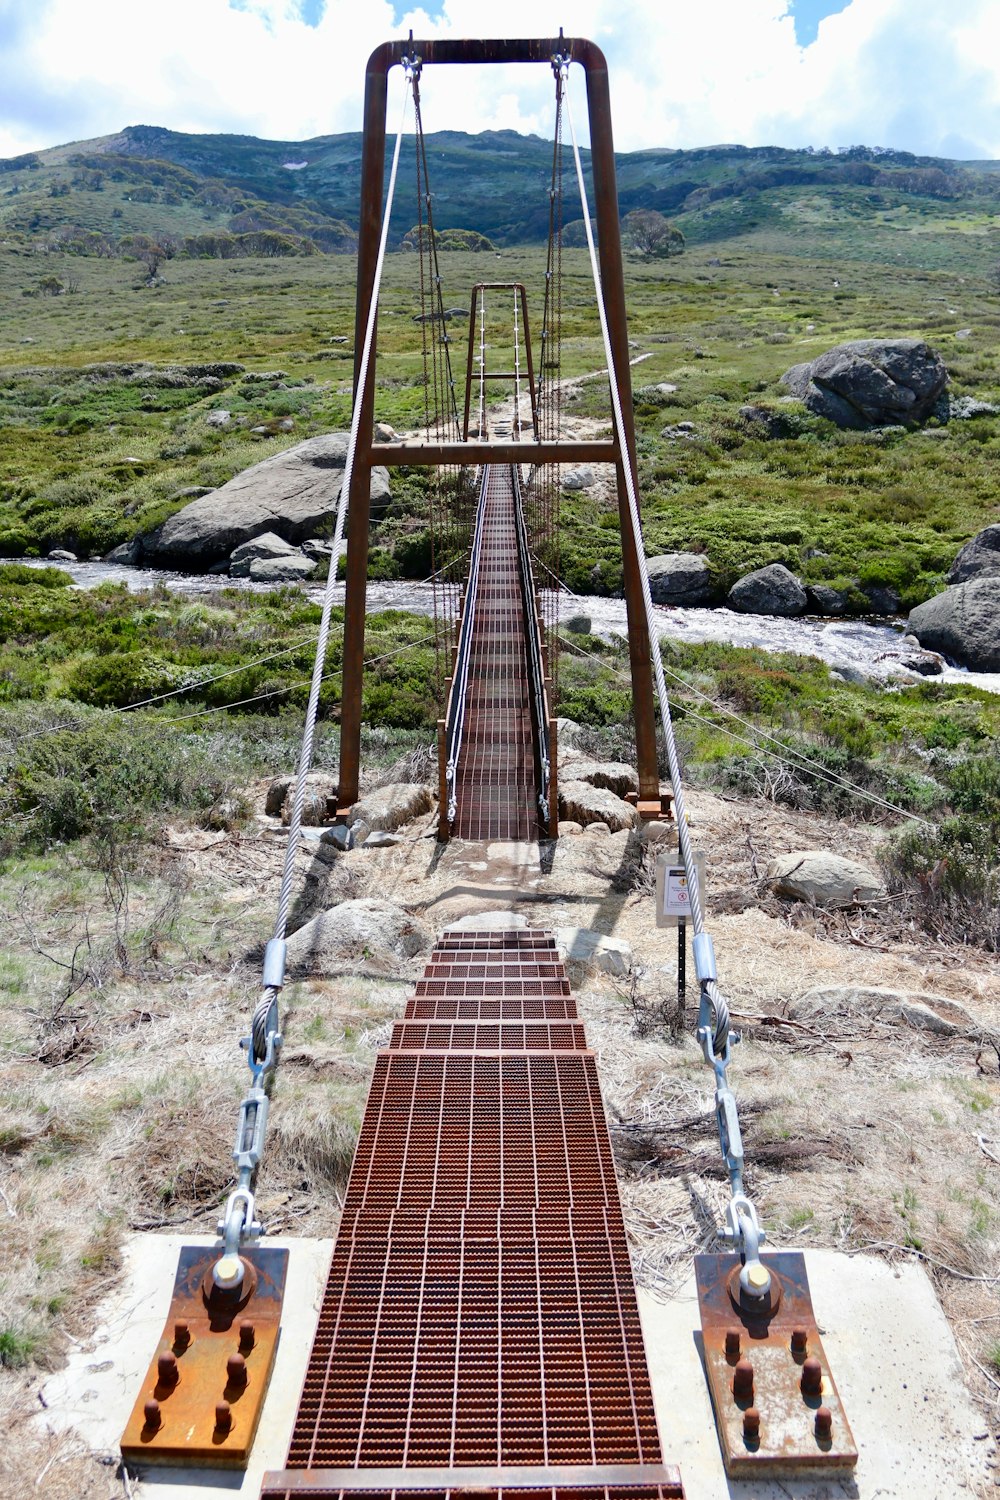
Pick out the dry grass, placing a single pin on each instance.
(120, 1100)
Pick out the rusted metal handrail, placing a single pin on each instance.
(536, 669)
(454, 717)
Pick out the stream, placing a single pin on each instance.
(856, 648)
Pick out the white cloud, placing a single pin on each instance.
(905, 73)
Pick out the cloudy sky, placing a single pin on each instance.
(916, 75)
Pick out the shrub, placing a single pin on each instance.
(118, 679)
(102, 775)
(953, 874)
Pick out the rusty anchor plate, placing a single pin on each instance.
(777, 1408)
(204, 1391)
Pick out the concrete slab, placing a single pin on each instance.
(892, 1352)
(93, 1395)
(897, 1368)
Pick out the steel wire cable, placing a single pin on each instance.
(265, 1014)
(793, 759)
(720, 1008)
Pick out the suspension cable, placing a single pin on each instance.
(517, 372)
(482, 365)
(713, 1016)
(238, 1224)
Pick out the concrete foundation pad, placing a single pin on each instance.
(94, 1394)
(891, 1350)
(897, 1368)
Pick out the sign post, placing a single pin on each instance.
(673, 908)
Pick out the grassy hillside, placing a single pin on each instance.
(862, 204)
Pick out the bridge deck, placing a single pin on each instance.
(480, 1314)
(496, 787)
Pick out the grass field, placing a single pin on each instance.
(104, 392)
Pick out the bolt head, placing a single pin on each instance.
(166, 1369)
(812, 1377)
(743, 1379)
(223, 1416)
(151, 1412)
(751, 1422)
(247, 1335)
(800, 1341)
(227, 1272)
(824, 1422)
(236, 1369)
(732, 1343)
(182, 1335)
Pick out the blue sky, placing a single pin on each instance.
(911, 74)
(807, 15)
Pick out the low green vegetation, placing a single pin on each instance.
(112, 367)
(103, 429)
(785, 728)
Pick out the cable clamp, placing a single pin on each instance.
(274, 964)
(704, 958)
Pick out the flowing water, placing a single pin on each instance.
(857, 648)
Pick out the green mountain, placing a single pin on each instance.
(862, 203)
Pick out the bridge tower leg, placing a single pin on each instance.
(613, 284)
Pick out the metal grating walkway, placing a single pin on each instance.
(479, 1328)
(496, 790)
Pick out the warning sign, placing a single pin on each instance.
(673, 898)
(676, 899)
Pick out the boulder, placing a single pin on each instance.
(613, 775)
(59, 554)
(356, 931)
(963, 624)
(578, 479)
(823, 878)
(219, 419)
(316, 548)
(567, 828)
(392, 806)
(267, 545)
(882, 600)
(291, 569)
(658, 831)
(292, 494)
(911, 658)
(584, 945)
(681, 578)
(338, 837)
(979, 558)
(126, 554)
(568, 733)
(851, 1002)
(579, 802)
(488, 921)
(320, 798)
(768, 423)
(871, 383)
(769, 591)
(378, 838)
(823, 600)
